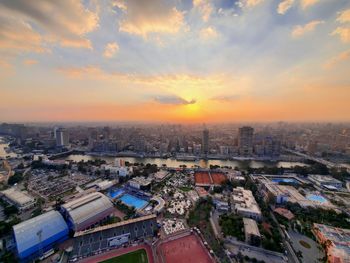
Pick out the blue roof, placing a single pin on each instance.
(39, 233)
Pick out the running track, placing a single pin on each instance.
(119, 252)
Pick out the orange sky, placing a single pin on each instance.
(175, 61)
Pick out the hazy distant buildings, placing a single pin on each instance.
(205, 141)
(62, 137)
(245, 141)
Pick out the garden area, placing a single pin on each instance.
(199, 217)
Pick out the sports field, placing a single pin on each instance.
(218, 178)
(187, 249)
(138, 256)
(202, 178)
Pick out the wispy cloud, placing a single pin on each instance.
(110, 50)
(204, 7)
(30, 62)
(148, 17)
(65, 22)
(173, 100)
(343, 56)
(307, 3)
(284, 6)
(208, 33)
(226, 98)
(301, 30)
(252, 3)
(343, 33)
(344, 16)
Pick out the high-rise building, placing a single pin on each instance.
(205, 141)
(245, 141)
(62, 137)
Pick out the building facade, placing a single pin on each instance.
(245, 141)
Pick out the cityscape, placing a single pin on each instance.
(175, 131)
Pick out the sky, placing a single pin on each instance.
(175, 60)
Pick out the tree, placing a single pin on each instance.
(14, 179)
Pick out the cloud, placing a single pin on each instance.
(30, 62)
(300, 30)
(88, 72)
(284, 6)
(343, 32)
(344, 16)
(307, 3)
(110, 50)
(173, 100)
(65, 21)
(149, 17)
(337, 59)
(226, 98)
(252, 3)
(18, 36)
(204, 7)
(208, 33)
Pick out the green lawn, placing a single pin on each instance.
(138, 256)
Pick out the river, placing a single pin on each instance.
(175, 163)
(168, 162)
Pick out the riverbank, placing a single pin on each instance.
(169, 162)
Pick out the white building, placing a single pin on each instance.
(244, 203)
(20, 199)
(118, 170)
(140, 182)
(326, 181)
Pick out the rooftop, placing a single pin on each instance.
(17, 196)
(250, 227)
(48, 226)
(87, 206)
(122, 223)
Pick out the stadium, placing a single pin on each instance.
(87, 211)
(103, 238)
(39, 234)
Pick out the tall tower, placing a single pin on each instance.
(205, 141)
(62, 137)
(245, 141)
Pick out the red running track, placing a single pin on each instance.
(118, 252)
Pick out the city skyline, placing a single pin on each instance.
(175, 61)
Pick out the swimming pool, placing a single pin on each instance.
(316, 198)
(284, 180)
(113, 193)
(131, 200)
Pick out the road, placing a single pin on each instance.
(310, 157)
(292, 257)
(259, 253)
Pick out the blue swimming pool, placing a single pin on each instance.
(131, 200)
(316, 198)
(113, 193)
(284, 180)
